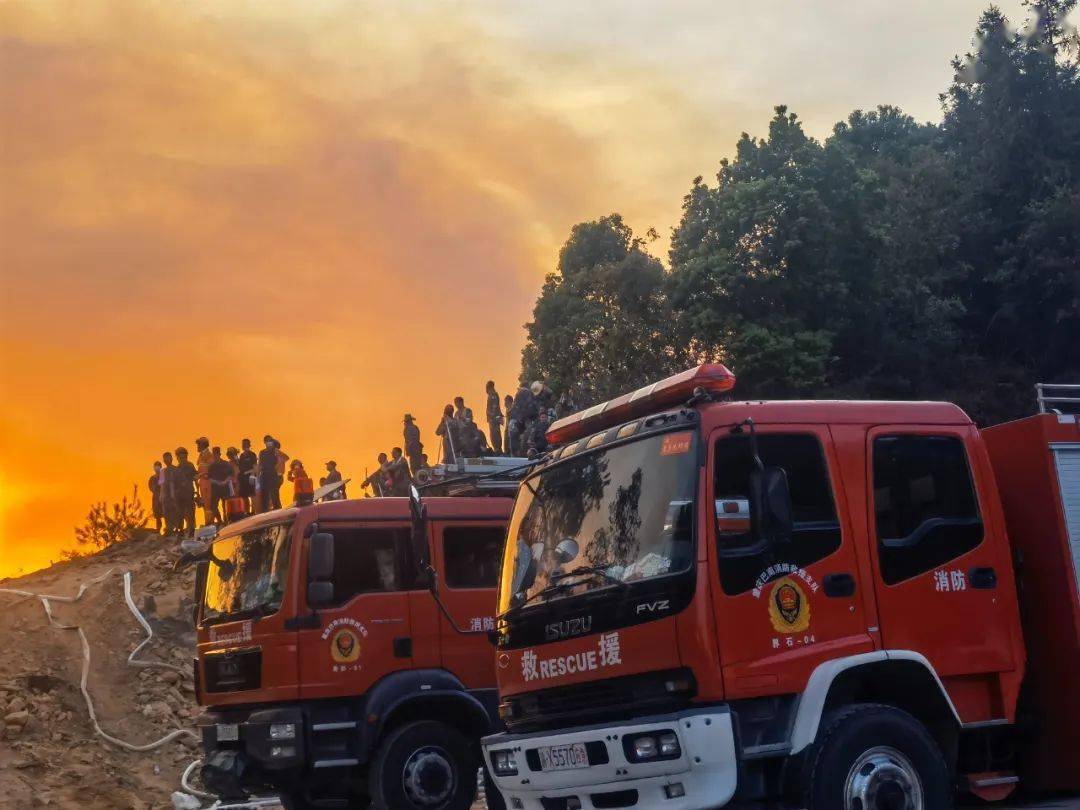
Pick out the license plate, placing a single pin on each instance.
(563, 757)
(228, 732)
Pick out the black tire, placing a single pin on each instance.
(492, 796)
(420, 761)
(892, 744)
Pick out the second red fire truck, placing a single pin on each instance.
(706, 602)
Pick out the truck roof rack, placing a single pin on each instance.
(491, 475)
(1049, 394)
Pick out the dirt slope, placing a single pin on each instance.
(49, 753)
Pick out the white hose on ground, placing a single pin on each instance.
(185, 782)
(149, 633)
(47, 599)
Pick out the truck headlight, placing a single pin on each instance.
(657, 745)
(503, 763)
(644, 748)
(669, 745)
(283, 731)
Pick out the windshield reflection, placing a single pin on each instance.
(248, 574)
(605, 518)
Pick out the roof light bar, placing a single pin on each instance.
(673, 390)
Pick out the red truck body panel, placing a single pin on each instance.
(1025, 457)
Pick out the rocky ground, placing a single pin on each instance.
(50, 755)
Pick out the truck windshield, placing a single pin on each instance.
(247, 574)
(602, 520)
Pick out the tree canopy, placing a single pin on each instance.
(893, 260)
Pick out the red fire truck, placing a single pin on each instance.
(334, 673)
(859, 605)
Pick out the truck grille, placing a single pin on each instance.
(583, 703)
(233, 670)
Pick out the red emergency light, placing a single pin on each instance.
(673, 390)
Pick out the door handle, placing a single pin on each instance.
(983, 578)
(839, 585)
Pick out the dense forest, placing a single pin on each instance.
(893, 260)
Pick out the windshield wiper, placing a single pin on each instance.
(558, 585)
(548, 590)
(590, 570)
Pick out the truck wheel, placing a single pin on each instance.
(424, 765)
(492, 796)
(874, 757)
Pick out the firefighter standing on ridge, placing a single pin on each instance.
(494, 418)
(450, 430)
(537, 443)
(168, 483)
(206, 494)
(184, 490)
(379, 481)
(245, 463)
(508, 406)
(269, 479)
(461, 413)
(522, 416)
(414, 448)
(301, 481)
(220, 476)
(155, 496)
(398, 468)
(333, 477)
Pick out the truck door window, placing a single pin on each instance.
(366, 560)
(472, 555)
(924, 504)
(816, 528)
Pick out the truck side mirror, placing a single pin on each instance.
(320, 564)
(202, 568)
(770, 504)
(320, 593)
(418, 538)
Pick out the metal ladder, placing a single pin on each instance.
(1049, 394)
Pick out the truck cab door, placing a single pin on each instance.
(468, 555)
(364, 633)
(939, 551)
(782, 609)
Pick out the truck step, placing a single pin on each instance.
(992, 786)
(340, 726)
(329, 804)
(335, 763)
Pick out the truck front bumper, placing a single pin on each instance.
(250, 751)
(704, 773)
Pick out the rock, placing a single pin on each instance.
(185, 801)
(170, 676)
(16, 705)
(17, 718)
(157, 710)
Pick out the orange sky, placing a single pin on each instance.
(305, 218)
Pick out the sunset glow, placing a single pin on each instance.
(308, 218)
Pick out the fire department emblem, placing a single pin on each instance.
(345, 646)
(789, 609)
